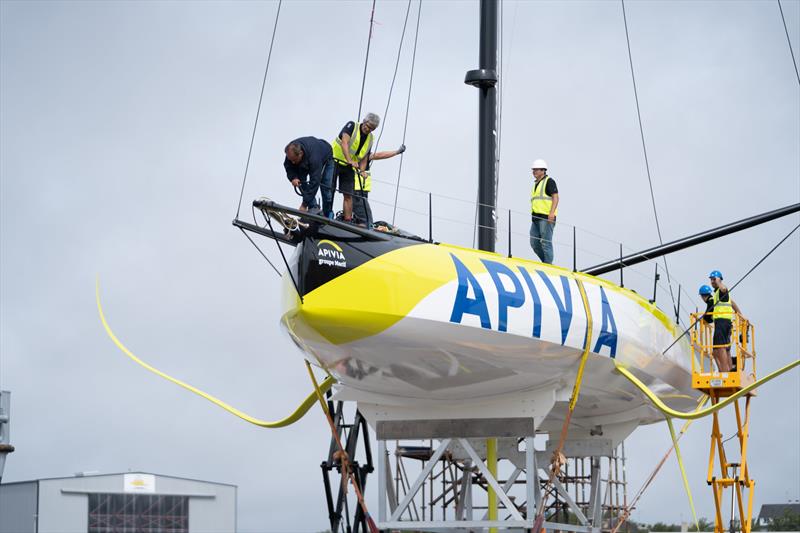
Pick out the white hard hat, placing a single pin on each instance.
(539, 163)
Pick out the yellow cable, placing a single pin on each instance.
(298, 413)
(693, 415)
(683, 471)
(576, 389)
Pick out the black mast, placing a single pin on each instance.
(485, 80)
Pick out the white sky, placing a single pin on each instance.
(124, 130)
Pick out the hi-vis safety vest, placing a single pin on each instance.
(355, 139)
(722, 310)
(367, 179)
(540, 202)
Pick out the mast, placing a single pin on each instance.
(485, 80)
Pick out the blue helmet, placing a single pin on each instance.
(705, 289)
(715, 274)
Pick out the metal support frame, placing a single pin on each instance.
(461, 498)
(341, 507)
(465, 460)
(731, 475)
(595, 502)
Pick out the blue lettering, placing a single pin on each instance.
(564, 306)
(608, 332)
(505, 299)
(537, 303)
(463, 303)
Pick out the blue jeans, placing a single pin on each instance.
(542, 239)
(309, 188)
(327, 189)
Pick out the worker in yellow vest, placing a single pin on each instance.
(350, 151)
(363, 185)
(544, 208)
(724, 308)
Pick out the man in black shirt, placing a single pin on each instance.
(544, 208)
(706, 293)
(309, 163)
(725, 311)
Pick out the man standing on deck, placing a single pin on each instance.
(350, 151)
(363, 185)
(724, 308)
(309, 163)
(544, 208)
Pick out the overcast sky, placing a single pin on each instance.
(124, 134)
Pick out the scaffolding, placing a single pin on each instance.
(577, 480)
(432, 483)
(725, 470)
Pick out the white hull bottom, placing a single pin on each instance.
(478, 373)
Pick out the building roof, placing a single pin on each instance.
(770, 511)
(117, 474)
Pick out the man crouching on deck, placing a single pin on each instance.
(309, 164)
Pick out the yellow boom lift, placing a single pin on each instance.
(724, 473)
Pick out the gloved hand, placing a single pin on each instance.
(401, 149)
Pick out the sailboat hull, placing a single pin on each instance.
(431, 324)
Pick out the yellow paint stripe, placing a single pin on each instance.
(385, 289)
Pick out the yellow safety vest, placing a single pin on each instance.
(540, 202)
(722, 310)
(355, 139)
(367, 182)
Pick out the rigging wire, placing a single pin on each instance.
(278, 272)
(408, 106)
(394, 77)
(644, 148)
(789, 41)
(735, 285)
(258, 109)
(366, 62)
(285, 262)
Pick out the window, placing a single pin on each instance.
(138, 513)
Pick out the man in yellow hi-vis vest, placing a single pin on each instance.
(363, 185)
(544, 207)
(350, 151)
(724, 308)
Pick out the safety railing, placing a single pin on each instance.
(705, 364)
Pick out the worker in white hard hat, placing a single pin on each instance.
(544, 207)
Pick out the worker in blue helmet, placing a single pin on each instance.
(707, 295)
(724, 309)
